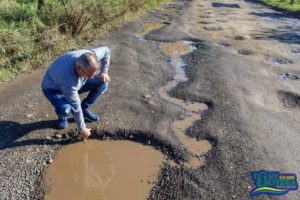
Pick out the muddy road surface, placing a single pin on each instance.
(202, 93)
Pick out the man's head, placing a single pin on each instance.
(86, 65)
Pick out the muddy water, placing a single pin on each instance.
(104, 170)
(196, 148)
(147, 27)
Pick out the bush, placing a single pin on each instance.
(75, 15)
(15, 13)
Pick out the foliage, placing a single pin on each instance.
(290, 5)
(32, 32)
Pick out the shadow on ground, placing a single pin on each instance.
(283, 34)
(14, 131)
(225, 5)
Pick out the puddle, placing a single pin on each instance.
(245, 52)
(147, 27)
(205, 16)
(295, 50)
(289, 99)
(213, 28)
(205, 22)
(279, 61)
(224, 44)
(170, 11)
(196, 148)
(104, 170)
(225, 5)
(287, 76)
(239, 38)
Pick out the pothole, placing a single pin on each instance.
(295, 50)
(245, 52)
(289, 99)
(287, 76)
(170, 11)
(224, 44)
(240, 37)
(205, 22)
(221, 20)
(279, 61)
(196, 148)
(148, 27)
(205, 16)
(224, 5)
(104, 170)
(213, 28)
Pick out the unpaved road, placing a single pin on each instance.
(245, 69)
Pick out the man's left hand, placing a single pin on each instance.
(104, 77)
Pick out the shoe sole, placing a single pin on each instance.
(91, 120)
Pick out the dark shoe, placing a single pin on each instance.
(87, 114)
(62, 122)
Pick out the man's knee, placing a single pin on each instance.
(103, 88)
(64, 110)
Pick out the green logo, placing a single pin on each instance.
(273, 182)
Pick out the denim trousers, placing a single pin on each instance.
(95, 86)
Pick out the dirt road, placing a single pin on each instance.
(245, 68)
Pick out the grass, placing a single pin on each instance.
(284, 4)
(31, 38)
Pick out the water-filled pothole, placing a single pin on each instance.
(103, 170)
(279, 61)
(196, 148)
(239, 37)
(295, 50)
(224, 44)
(205, 16)
(205, 22)
(213, 28)
(148, 27)
(289, 99)
(246, 52)
(287, 76)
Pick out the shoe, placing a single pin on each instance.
(87, 114)
(62, 122)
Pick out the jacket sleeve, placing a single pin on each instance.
(72, 96)
(103, 56)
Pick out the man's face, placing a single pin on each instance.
(87, 73)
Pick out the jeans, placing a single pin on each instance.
(95, 86)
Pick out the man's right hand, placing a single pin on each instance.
(85, 133)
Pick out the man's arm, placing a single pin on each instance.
(103, 56)
(72, 96)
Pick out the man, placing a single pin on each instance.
(72, 74)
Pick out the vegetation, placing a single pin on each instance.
(32, 32)
(290, 5)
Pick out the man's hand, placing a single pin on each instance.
(104, 77)
(85, 133)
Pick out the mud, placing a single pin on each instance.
(196, 148)
(287, 76)
(245, 109)
(246, 52)
(104, 170)
(289, 99)
(213, 28)
(279, 61)
(148, 27)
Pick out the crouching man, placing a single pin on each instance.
(72, 74)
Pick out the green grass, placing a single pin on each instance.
(284, 4)
(31, 38)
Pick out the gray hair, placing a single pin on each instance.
(87, 61)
